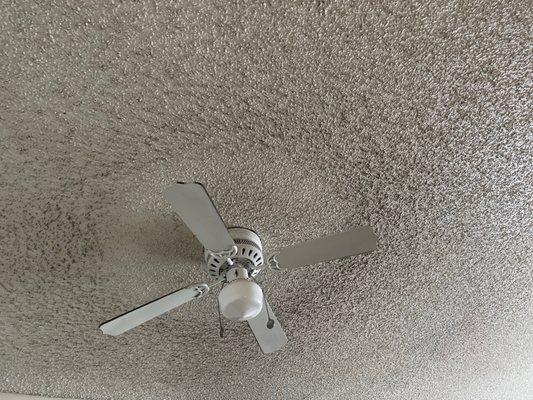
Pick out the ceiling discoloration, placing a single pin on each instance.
(301, 120)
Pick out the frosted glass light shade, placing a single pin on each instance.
(241, 300)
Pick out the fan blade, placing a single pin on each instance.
(194, 206)
(267, 330)
(345, 244)
(155, 308)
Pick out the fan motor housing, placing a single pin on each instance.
(249, 254)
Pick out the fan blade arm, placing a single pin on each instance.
(196, 209)
(153, 309)
(340, 245)
(269, 339)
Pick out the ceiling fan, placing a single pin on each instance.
(234, 257)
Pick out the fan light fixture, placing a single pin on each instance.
(240, 300)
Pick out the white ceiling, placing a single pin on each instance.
(301, 120)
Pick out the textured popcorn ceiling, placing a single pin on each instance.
(301, 120)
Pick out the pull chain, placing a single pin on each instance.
(221, 332)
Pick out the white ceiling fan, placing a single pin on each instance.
(234, 257)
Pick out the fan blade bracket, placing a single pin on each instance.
(272, 262)
(201, 289)
(225, 254)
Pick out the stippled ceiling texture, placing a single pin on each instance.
(301, 119)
